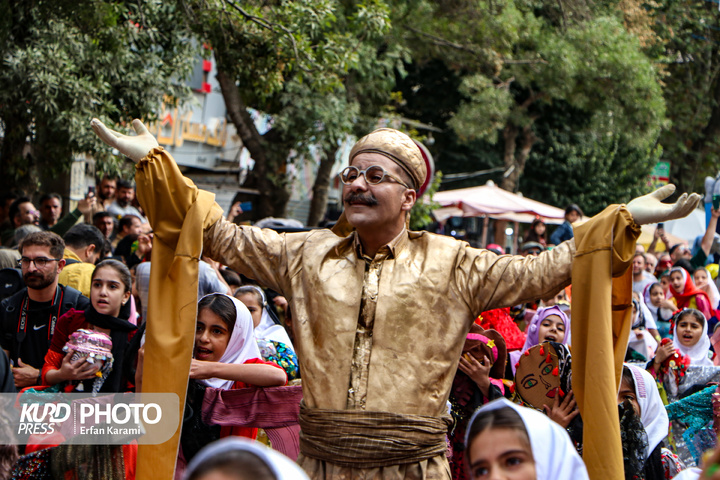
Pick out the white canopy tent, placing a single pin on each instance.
(491, 201)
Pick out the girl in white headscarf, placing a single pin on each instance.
(639, 387)
(266, 324)
(642, 337)
(273, 340)
(241, 459)
(503, 436)
(660, 308)
(690, 337)
(226, 354)
(703, 280)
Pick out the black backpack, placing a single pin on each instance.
(11, 282)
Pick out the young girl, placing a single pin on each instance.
(536, 233)
(690, 337)
(548, 324)
(686, 295)
(641, 342)
(665, 282)
(640, 389)
(690, 347)
(275, 345)
(660, 308)
(242, 459)
(108, 313)
(477, 381)
(505, 440)
(225, 356)
(704, 282)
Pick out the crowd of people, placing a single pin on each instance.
(480, 385)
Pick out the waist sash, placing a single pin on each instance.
(361, 439)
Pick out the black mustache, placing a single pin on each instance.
(368, 199)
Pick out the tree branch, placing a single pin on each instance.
(443, 42)
(271, 26)
(525, 61)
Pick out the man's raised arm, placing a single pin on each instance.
(171, 201)
(504, 281)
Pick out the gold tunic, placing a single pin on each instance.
(382, 333)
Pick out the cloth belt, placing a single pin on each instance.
(361, 439)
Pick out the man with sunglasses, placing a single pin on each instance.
(28, 318)
(380, 313)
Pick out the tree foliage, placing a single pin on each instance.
(317, 67)
(64, 62)
(689, 47)
(554, 92)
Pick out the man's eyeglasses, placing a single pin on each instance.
(373, 175)
(40, 262)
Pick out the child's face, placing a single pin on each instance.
(656, 296)
(677, 281)
(251, 302)
(627, 392)
(552, 328)
(107, 292)
(688, 331)
(701, 278)
(211, 336)
(665, 282)
(540, 228)
(501, 453)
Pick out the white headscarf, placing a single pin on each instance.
(692, 473)
(698, 353)
(655, 311)
(268, 329)
(282, 467)
(646, 345)
(242, 345)
(653, 415)
(554, 454)
(711, 289)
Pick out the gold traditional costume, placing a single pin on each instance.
(378, 339)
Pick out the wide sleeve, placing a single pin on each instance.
(491, 281)
(167, 196)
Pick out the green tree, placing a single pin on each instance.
(64, 62)
(317, 67)
(569, 166)
(520, 60)
(689, 47)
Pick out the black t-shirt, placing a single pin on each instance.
(35, 345)
(37, 339)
